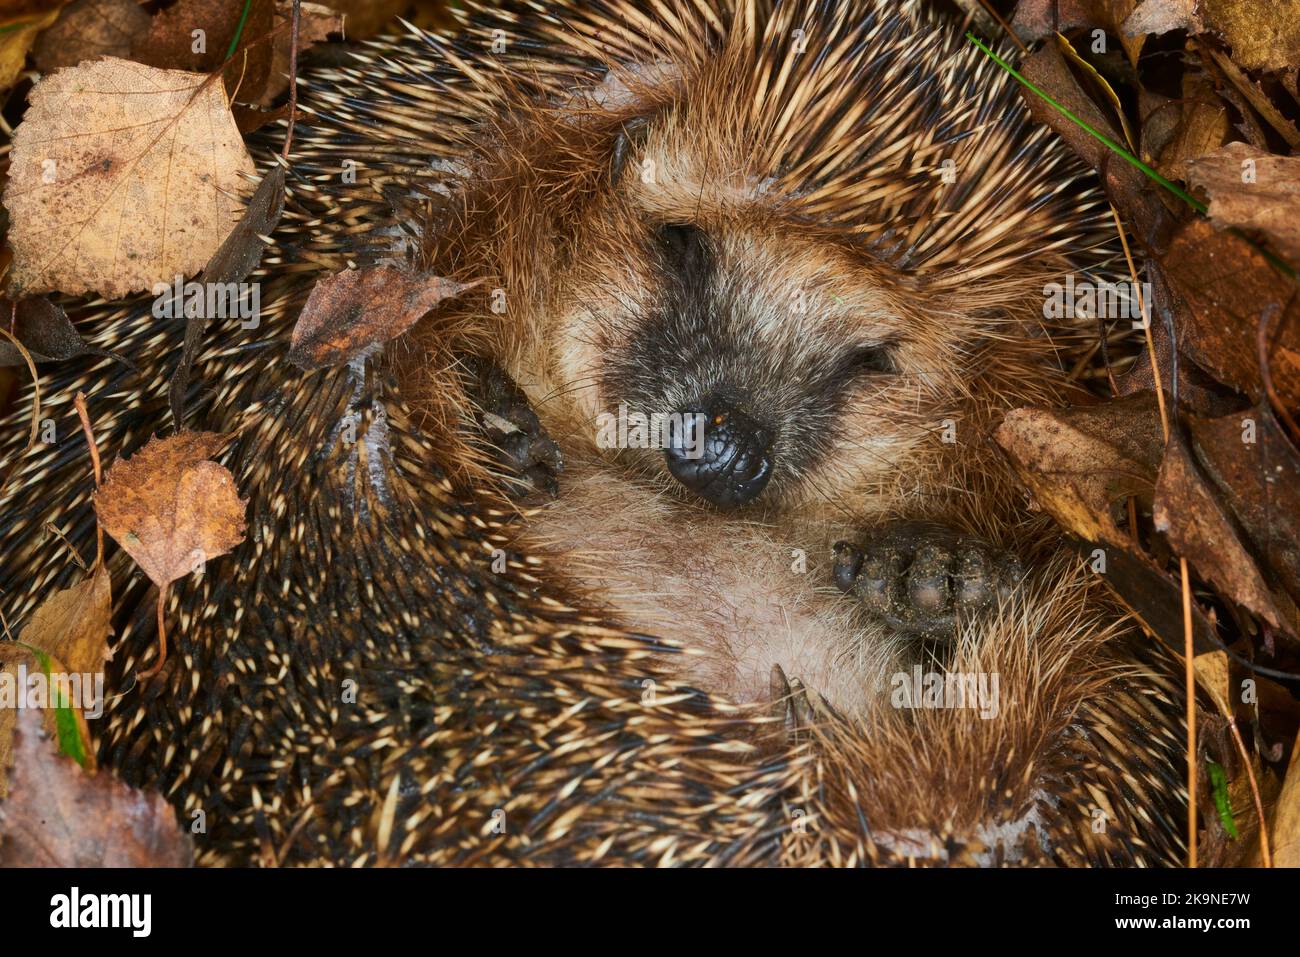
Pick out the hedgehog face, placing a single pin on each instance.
(793, 365)
(790, 359)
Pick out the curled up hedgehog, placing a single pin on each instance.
(680, 538)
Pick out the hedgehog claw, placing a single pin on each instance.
(923, 579)
(522, 446)
(795, 705)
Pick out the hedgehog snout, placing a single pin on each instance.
(721, 454)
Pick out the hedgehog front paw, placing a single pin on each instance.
(520, 443)
(922, 579)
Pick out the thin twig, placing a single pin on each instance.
(293, 78)
(1254, 791)
(162, 637)
(1191, 713)
(1146, 324)
(67, 543)
(80, 403)
(1003, 24)
(31, 366)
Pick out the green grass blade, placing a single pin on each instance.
(239, 30)
(65, 718)
(1114, 147)
(1222, 803)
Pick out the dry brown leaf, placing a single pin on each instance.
(18, 33)
(45, 331)
(1259, 480)
(1161, 16)
(315, 24)
(357, 310)
(1082, 463)
(1213, 675)
(170, 508)
(122, 176)
(1190, 515)
(1198, 392)
(171, 42)
(1036, 19)
(12, 655)
(1202, 125)
(89, 29)
(18, 660)
(1262, 37)
(73, 625)
(1286, 816)
(241, 251)
(57, 815)
(1269, 201)
(1228, 286)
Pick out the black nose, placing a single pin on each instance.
(730, 463)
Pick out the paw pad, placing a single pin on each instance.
(923, 579)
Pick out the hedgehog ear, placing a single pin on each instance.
(631, 135)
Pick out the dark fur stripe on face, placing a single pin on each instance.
(722, 332)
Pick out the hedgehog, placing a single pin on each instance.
(807, 619)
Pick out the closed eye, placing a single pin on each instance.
(876, 358)
(684, 250)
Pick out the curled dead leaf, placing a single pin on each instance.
(356, 311)
(74, 624)
(1036, 19)
(45, 330)
(1213, 675)
(1080, 464)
